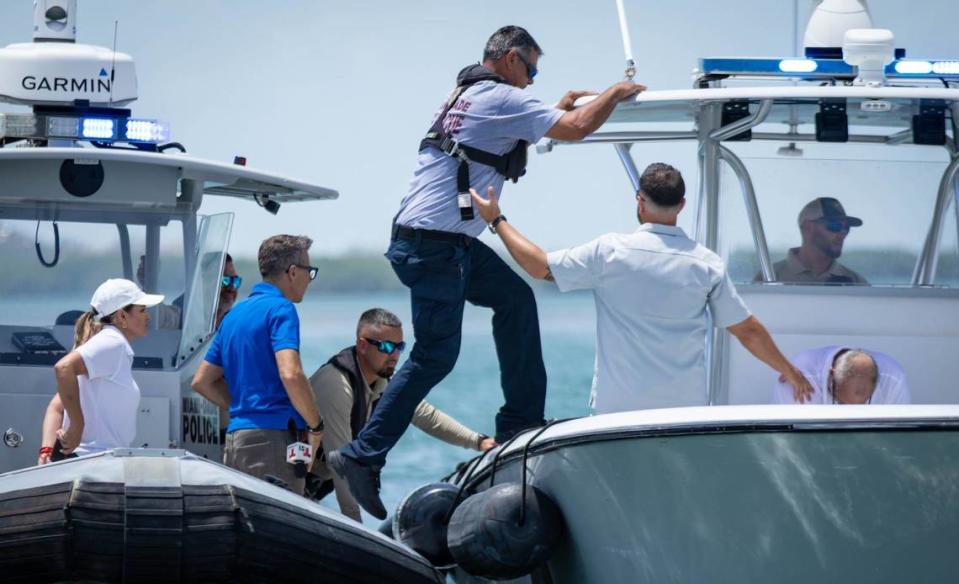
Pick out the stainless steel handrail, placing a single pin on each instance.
(752, 212)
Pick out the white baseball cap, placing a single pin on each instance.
(116, 293)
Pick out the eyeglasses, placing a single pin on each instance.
(231, 281)
(531, 71)
(386, 347)
(313, 271)
(834, 225)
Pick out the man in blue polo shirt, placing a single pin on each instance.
(253, 367)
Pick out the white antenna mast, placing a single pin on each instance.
(627, 44)
(113, 64)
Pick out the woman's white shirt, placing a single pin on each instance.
(109, 396)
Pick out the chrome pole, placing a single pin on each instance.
(924, 273)
(752, 212)
(629, 164)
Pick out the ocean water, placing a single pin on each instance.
(471, 393)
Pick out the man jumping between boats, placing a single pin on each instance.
(478, 138)
(652, 288)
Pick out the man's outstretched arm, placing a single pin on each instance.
(754, 336)
(577, 123)
(526, 253)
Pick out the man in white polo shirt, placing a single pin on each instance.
(651, 288)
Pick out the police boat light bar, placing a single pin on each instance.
(96, 127)
(818, 69)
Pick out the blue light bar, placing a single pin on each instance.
(826, 68)
(98, 128)
(149, 131)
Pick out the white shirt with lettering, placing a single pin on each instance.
(891, 387)
(109, 396)
(489, 116)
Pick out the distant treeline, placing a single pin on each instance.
(21, 272)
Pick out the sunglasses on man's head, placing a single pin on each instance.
(386, 347)
(834, 225)
(231, 282)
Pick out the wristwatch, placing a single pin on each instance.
(315, 429)
(495, 222)
(479, 441)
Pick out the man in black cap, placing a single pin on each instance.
(824, 226)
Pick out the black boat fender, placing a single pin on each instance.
(496, 534)
(420, 521)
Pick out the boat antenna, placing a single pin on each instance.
(113, 63)
(627, 44)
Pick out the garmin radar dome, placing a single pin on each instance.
(54, 70)
(831, 19)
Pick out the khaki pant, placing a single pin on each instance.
(259, 453)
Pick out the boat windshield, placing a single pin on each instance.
(46, 300)
(891, 189)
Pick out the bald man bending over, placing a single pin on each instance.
(840, 375)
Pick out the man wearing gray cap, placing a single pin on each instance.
(824, 226)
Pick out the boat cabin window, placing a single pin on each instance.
(891, 190)
(42, 303)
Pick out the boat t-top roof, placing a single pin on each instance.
(218, 178)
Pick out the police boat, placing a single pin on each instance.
(76, 162)
(736, 490)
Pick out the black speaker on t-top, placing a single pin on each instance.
(81, 179)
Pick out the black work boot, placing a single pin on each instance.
(364, 482)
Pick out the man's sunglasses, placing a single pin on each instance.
(231, 281)
(313, 271)
(530, 70)
(834, 225)
(386, 347)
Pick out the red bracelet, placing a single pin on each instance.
(44, 450)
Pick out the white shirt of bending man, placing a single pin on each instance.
(884, 375)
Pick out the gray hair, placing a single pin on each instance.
(279, 252)
(510, 37)
(378, 317)
(845, 366)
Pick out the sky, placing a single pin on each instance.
(339, 93)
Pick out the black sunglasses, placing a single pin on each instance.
(386, 347)
(530, 70)
(231, 281)
(313, 271)
(834, 225)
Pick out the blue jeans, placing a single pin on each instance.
(441, 277)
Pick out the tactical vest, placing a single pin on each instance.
(511, 165)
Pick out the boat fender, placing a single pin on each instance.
(488, 539)
(420, 521)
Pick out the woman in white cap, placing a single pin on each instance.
(95, 382)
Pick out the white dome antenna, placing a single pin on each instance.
(870, 50)
(55, 21)
(832, 18)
